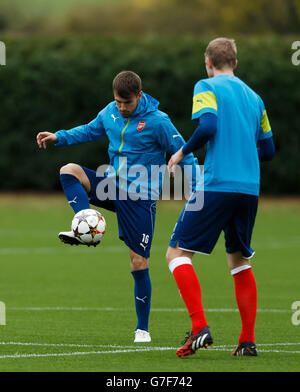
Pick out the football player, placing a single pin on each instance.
(139, 135)
(234, 126)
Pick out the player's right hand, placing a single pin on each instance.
(175, 160)
(44, 138)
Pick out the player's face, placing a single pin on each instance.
(128, 105)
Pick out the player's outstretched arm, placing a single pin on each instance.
(45, 138)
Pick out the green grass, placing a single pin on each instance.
(89, 295)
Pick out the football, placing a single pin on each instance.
(89, 226)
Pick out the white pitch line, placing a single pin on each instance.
(16, 356)
(77, 353)
(128, 347)
(108, 309)
(266, 344)
(280, 351)
(70, 345)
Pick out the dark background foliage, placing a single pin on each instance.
(52, 83)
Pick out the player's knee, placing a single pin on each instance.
(172, 253)
(138, 262)
(236, 260)
(77, 171)
(169, 255)
(69, 168)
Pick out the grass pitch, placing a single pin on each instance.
(72, 309)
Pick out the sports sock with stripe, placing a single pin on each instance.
(75, 192)
(190, 290)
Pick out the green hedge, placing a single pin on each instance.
(57, 83)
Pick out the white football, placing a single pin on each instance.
(89, 226)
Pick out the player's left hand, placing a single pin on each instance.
(174, 160)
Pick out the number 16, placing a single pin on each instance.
(145, 238)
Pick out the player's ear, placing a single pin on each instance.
(236, 64)
(208, 62)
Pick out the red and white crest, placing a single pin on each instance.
(141, 126)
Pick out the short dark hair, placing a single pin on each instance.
(127, 83)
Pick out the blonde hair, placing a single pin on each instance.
(222, 52)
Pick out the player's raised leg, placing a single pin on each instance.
(246, 297)
(142, 294)
(180, 264)
(76, 186)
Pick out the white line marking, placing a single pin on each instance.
(2, 313)
(67, 345)
(127, 347)
(259, 351)
(77, 353)
(85, 353)
(266, 344)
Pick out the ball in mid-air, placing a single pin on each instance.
(89, 226)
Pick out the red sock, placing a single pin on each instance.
(246, 297)
(190, 290)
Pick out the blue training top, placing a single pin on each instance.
(231, 161)
(143, 139)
